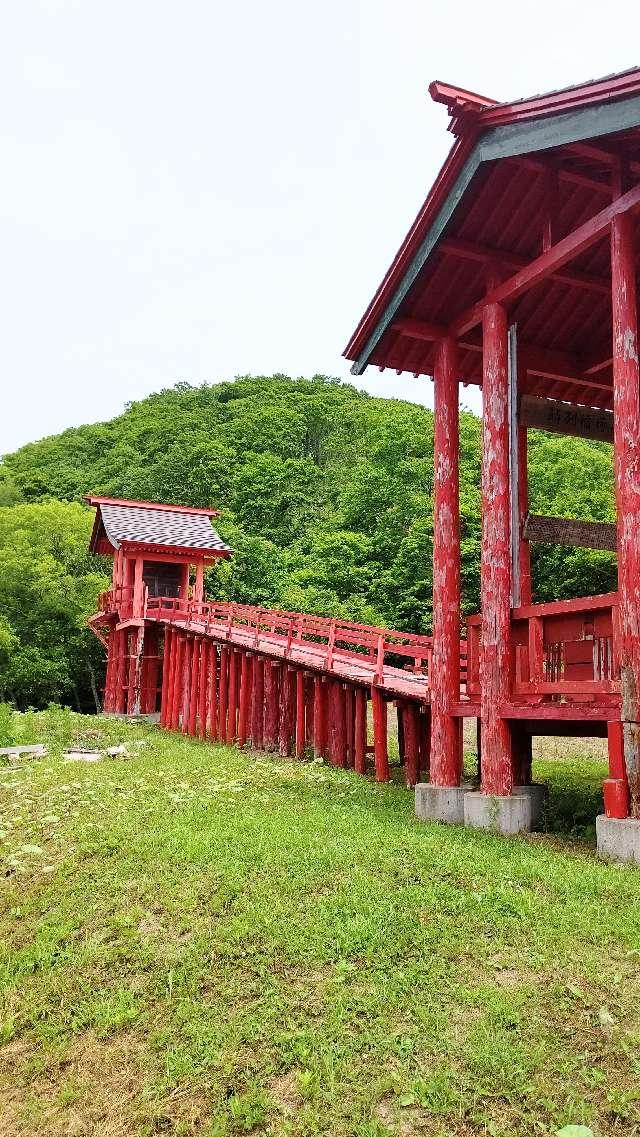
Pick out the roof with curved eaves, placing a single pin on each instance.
(150, 524)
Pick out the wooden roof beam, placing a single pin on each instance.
(469, 250)
(570, 177)
(554, 259)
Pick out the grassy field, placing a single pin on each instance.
(197, 941)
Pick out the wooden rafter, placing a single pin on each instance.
(549, 262)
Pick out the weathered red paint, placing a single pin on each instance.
(626, 397)
(194, 686)
(212, 698)
(320, 732)
(444, 676)
(286, 732)
(380, 743)
(495, 566)
(271, 704)
(205, 656)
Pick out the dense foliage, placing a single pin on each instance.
(327, 500)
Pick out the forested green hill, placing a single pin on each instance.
(327, 500)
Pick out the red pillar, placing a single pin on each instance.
(194, 686)
(245, 698)
(257, 706)
(338, 725)
(300, 712)
(212, 732)
(495, 567)
(138, 588)
(232, 713)
(223, 695)
(287, 710)
(170, 643)
(349, 712)
(320, 717)
(205, 654)
(187, 684)
(380, 745)
(271, 703)
(177, 684)
(626, 444)
(360, 731)
(410, 720)
(444, 673)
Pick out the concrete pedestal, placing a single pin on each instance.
(618, 839)
(506, 815)
(440, 803)
(538, 795)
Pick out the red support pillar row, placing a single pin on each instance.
(360, 731)
(444, 673)
(626, 449)
(380, 744)
(495, 565)
(246, 670)
(300, 712)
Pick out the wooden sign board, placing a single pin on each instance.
(565, 418)
(566, 531)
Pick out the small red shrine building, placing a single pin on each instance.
(519, 275)
(156, 550)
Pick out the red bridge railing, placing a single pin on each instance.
(561, 650)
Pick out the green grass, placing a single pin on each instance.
(198, 941)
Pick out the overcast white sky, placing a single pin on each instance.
(194, 190)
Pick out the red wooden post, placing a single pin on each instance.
(444, 673)
(177, 684)
(205, 659)
(271, 704)
(245, 698)
(320, 717)
(300, 709)
(360, 731)
(309, 706)
(223, 697)
(170, 643)
(138, 588)
(411, 753)
(186, 694)
(194, 686)
(495, 567)
(626, 449)
(380, 745)
(232, 714)
(257, 707)
(349, 710)
(212, 732)
(339, 733)
(287, 710)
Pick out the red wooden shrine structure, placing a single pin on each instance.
(232, 672)
(519, 275)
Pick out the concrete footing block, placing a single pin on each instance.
(440, 803)
(505, 815)
(618, 839)
(538, 794)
